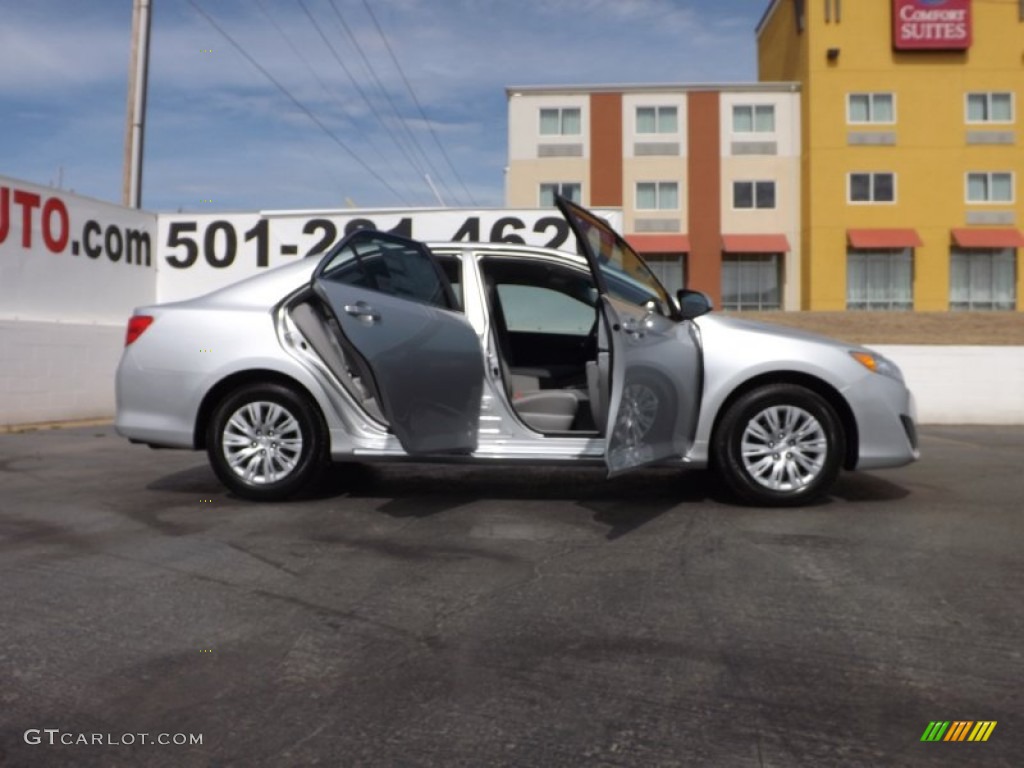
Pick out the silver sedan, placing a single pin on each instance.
(389, 349)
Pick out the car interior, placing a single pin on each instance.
(545, 338)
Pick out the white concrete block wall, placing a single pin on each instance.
(963, 385)
(57, 371)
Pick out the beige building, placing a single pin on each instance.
(707, 177)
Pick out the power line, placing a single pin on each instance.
(409, 135)
(312, 70)
(416, 101)
(295, 101)
(330, 46)
(387, 96)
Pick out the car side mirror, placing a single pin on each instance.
(693, 303)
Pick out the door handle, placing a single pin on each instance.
(363, 311)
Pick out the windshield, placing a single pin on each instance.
(623, 272)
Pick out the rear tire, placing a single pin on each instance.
(266, 442)
(780, 445)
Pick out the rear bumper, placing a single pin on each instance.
(151, 407)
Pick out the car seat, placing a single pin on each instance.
(546, 410)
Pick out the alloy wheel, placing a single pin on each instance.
(784, 448)
(262, 442)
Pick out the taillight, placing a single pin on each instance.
(136, 325)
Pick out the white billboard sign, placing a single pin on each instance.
(75, 259)
(198, 253)
(71, 258)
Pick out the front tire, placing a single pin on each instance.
(779, 445)
(266, 442)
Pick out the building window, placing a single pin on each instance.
(562, 121)
(880, 279)
(989, 107)
(870, 108)
(751, 281)
(989, 187)
(570, 190)
(657, 120)
(983, 278)
(753, 194)
(657, 196)
(753, 118)
(669, 268)
(872, 188)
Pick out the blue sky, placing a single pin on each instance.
(218, 130)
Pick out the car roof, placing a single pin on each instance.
(516, 249)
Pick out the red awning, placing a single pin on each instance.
(659, 243)
(988, 238)
(755, 244)
(884, 238)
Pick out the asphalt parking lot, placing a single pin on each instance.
(423, 616)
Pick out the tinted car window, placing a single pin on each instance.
(536, 309)
(452, 268)
(625, 274)
(390, 265)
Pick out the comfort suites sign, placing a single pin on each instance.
(943, 25)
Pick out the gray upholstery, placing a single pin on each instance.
(550, 410)
(598, 381)
(523, 383)
(546, 410)
(329, 349)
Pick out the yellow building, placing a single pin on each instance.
(912, 160)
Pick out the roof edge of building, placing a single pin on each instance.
(780, 86)
(768, 13)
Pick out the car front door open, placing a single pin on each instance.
(655, 356)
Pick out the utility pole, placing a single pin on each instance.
(131, 189)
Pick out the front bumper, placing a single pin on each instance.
(886, 416)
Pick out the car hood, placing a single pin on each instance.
(736, 324)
